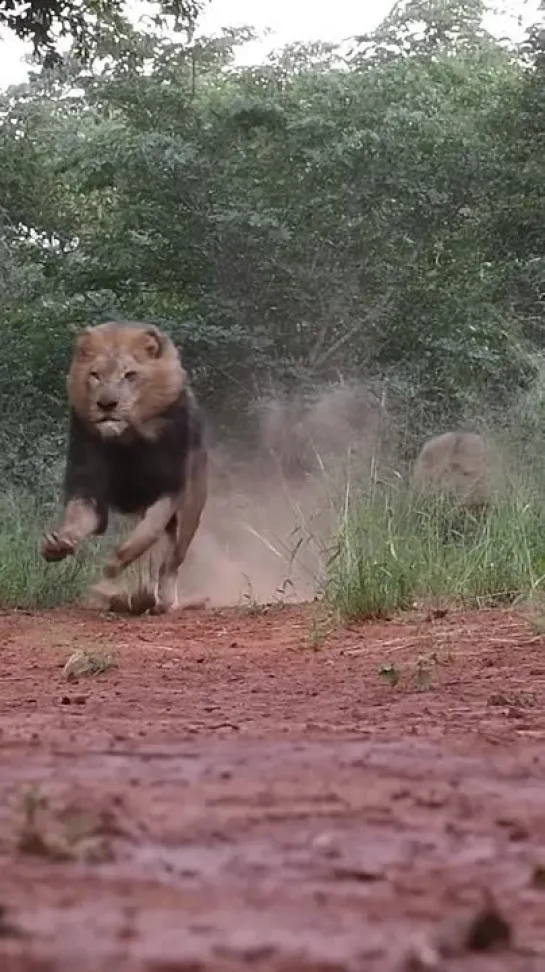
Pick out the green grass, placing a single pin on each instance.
(393, 550)
(26, 580)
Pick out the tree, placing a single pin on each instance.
(43, 21)
(379, 217)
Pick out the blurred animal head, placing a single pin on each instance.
(461, 465)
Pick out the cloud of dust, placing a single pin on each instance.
(270, 518)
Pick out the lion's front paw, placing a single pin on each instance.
(56, 547)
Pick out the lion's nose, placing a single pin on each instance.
(107, 403)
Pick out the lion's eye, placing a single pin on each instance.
(94, 375)
(130, 375)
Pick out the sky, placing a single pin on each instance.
(289, 21)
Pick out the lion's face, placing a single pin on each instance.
(122, 377)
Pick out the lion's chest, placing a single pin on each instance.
(140, 475)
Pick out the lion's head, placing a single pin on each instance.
(463, 465)
(122, 377)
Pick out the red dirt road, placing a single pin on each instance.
(250, 792)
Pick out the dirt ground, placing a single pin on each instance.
(251, 790)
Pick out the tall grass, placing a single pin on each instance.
(391, 549)
(395, 549)
(26, 580)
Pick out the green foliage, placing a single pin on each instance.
(26, 581)
(378, 215)
(394, 551)
(89, 24)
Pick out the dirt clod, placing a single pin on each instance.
(482, 931)
(538, 876)
(8, 927)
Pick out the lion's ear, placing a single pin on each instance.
(84, 344)
(153, 342)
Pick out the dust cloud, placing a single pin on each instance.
(268, 525)
(272, 515)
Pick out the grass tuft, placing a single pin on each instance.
(26, 580)
(83, 662)
(393, 550)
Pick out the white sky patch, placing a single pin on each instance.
(288, 21)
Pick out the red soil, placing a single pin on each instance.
(249, 791)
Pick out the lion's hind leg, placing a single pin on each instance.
(181, 531)
(108, 593)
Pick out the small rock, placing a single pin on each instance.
(421, 956)
(326, 843)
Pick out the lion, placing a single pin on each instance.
(135, 446)
(462, 465)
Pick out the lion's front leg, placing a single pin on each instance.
(81, 520)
